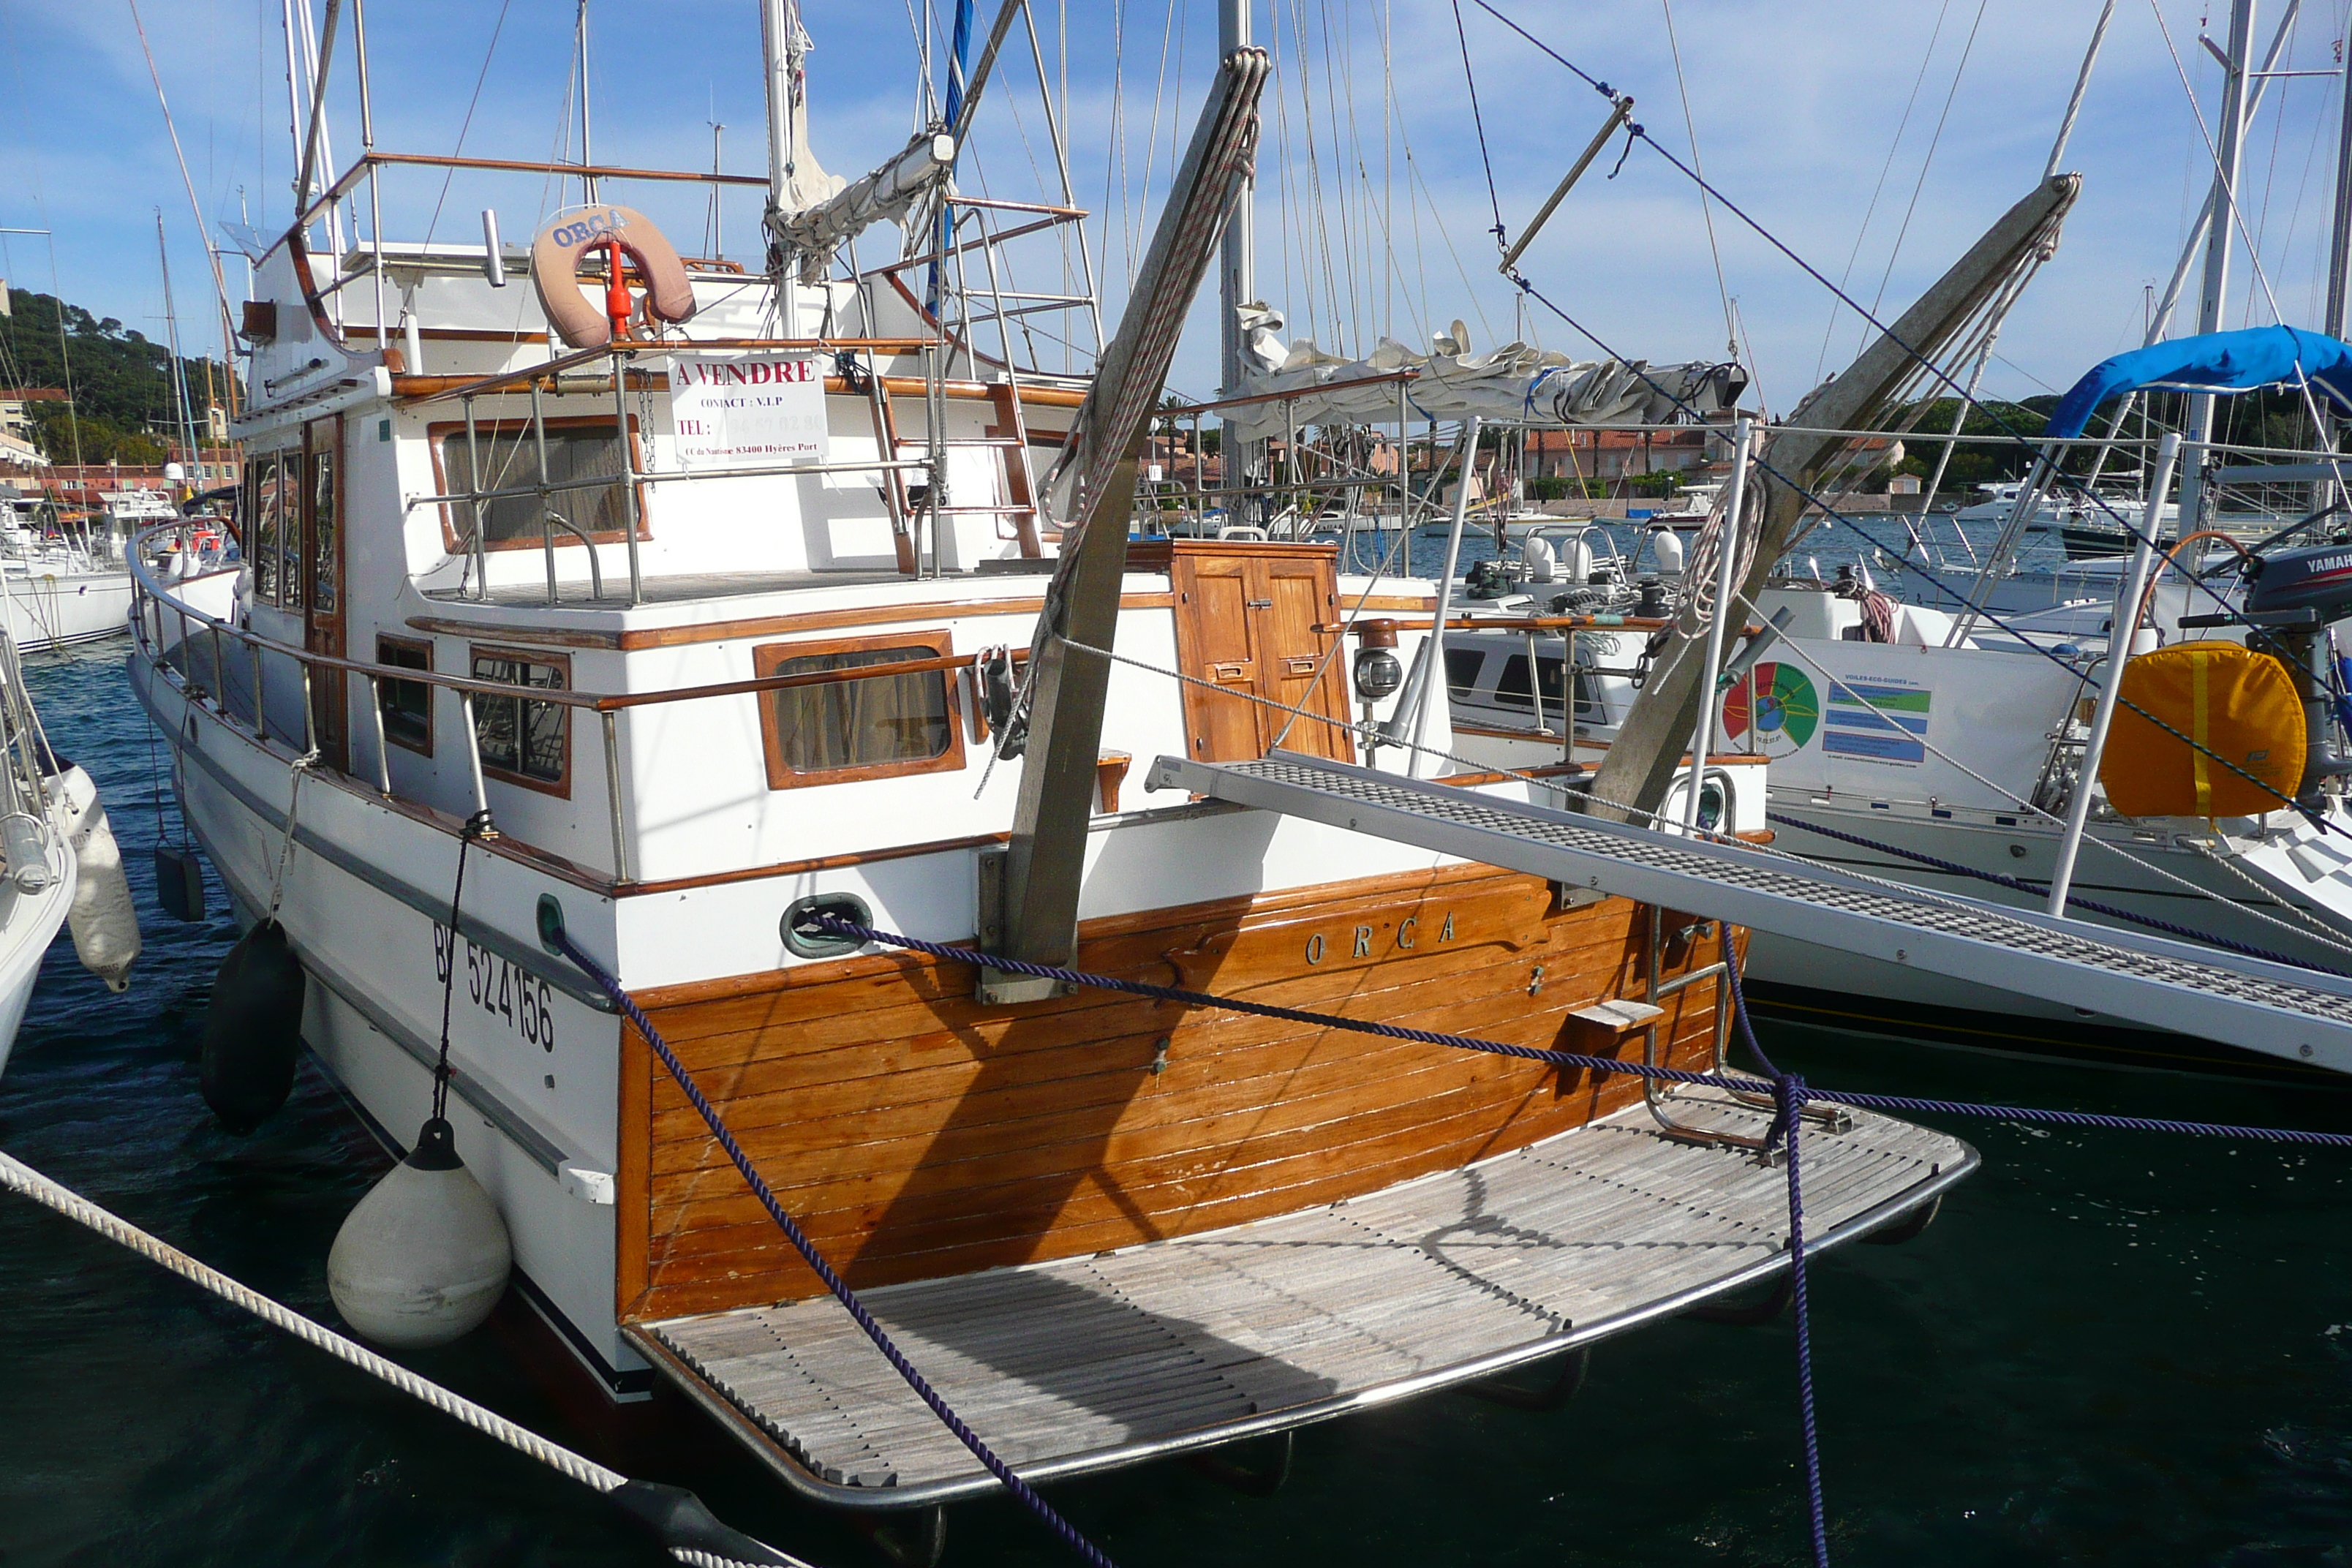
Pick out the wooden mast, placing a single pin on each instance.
(1032, 913)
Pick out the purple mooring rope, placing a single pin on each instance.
(1020, 1488)
(1790, 1093)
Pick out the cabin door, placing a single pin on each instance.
(1247, 614)
(321, 500)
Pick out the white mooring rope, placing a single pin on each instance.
(20, 1177)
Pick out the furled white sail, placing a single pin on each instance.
(1513, 384)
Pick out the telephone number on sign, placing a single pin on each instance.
(500, 989)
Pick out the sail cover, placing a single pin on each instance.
(2214, 361)
(1513, 385)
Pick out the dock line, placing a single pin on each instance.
(676, 1517)
(552, 934)
(1790, 1095)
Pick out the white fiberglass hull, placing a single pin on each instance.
(2282, 896)
(46, 611)
(28, 923)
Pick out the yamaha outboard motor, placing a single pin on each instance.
(2294, 597)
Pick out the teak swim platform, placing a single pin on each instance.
(1119, 1357)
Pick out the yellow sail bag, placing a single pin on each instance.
(2238, 704)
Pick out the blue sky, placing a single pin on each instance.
(1796, 108)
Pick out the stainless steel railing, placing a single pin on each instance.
(157, 608)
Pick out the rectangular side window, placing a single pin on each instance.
(407, 704)
(1511, 686)
(292, 508)
(837, 731)
(525, 741)
(510, 458)
(1461, 667)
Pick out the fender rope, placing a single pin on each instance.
(684, 1526)
(816, 1259)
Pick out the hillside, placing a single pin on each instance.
(121, 380)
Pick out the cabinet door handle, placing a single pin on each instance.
(1259, 604)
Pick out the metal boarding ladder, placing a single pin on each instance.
(2150, 981)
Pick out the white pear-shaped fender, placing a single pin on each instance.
(424, 1257)
(104, 921)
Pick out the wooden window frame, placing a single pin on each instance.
(407, 645)
(451, 541)
(560, 787)
(940, 644)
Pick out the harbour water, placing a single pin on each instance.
(2110, 1347)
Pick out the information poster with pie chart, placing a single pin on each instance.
(1772, 710)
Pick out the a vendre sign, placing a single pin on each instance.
(747, 410)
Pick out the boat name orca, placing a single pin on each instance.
(1359, 938)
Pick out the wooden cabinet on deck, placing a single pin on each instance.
(1246, 613)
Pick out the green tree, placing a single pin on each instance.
(121, 381)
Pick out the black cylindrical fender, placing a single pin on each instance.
(253, 1030)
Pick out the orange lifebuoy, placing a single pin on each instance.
(555, 256)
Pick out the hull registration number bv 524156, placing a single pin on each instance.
(496, 986)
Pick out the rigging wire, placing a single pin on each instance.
(1930, 369)
(1934, 140)
(467, 124)
(1706, 207)
(1494, 197)
(1820, 360)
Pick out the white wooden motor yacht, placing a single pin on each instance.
(676, 604)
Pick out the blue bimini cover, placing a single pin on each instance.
(2216, 361)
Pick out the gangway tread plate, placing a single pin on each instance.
(2154, 981)
(1085, 1363)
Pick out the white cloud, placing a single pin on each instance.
(1795, 109)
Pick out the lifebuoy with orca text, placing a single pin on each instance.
(555, 255)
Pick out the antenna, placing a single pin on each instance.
(179, 370)
(580, 48)
(716, 236)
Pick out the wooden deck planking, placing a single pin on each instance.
(1065, 1364)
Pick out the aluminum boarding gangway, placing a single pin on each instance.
(2281, 1010)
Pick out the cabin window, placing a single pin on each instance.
(521, 740)
(577, 450)
(1461, 667)
(836, 731)
(261, 541)
(325, 541)
(1511, 687)
(407, 704)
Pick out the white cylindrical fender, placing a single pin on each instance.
(424, 1256)
(103, 919)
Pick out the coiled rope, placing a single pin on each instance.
(686, 1528)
